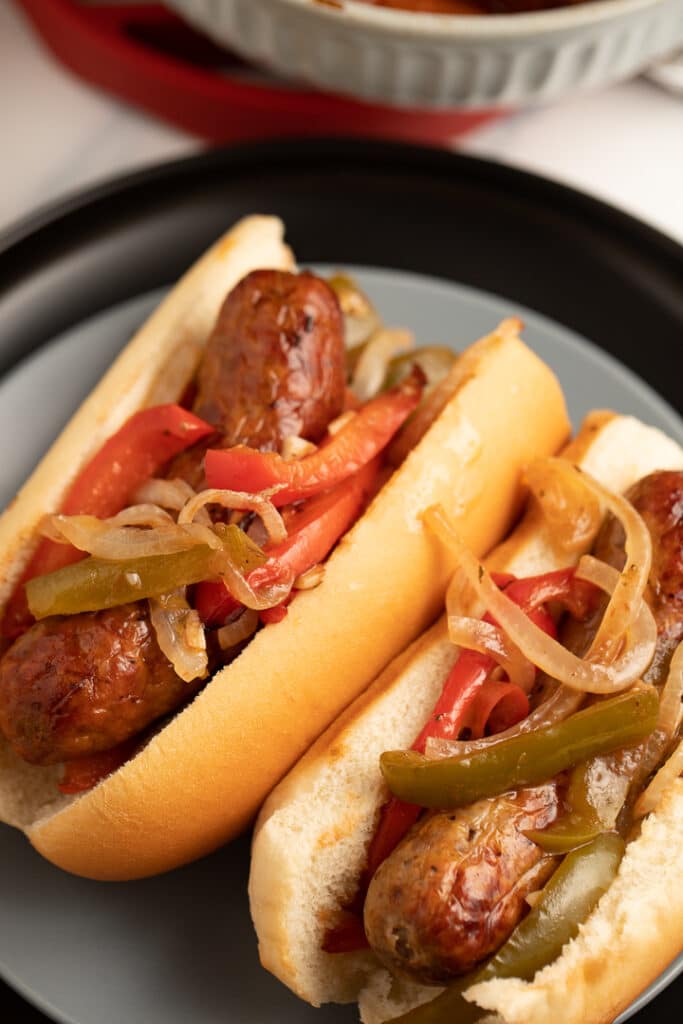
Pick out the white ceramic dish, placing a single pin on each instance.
(444, 61)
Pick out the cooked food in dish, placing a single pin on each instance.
(472, 6)
(176, 631)
(496, 823)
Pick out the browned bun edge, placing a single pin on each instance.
(202, 778)
(312, 833)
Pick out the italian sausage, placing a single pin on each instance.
(273, 366)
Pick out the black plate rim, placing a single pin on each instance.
(55, 214)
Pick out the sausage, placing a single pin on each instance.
(274, 365)
(81, 684)
(453, 890)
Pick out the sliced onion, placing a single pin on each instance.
(360, 316)
(373, 363)
(259, 599)
(258, 503)
(311, 578)
(667, 774)
(562, 703)
(60, 528)
(114, 543)
(295, 447)
(239, 630)
(180, 634)
(670, 706)
(173, 494)
(486, 638)
(573, 513)
(627, 597)
(546, 653)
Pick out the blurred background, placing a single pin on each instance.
(589, 94)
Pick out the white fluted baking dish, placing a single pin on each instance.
(441, 61)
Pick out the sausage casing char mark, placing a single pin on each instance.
(454, 888)
(273, 366)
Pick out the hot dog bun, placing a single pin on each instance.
(312, 833)
(202, 777)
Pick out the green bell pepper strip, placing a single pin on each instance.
(582, 821)
(94, 584)
(566, 901)
(524, 760)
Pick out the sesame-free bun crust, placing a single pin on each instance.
(313, 831)
(201, 779)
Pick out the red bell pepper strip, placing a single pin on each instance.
(363, 437)
(312, 532)
(464, 686)
(467, 700)
(106, 485)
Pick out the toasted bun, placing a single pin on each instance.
(201, 779)
(312, 834)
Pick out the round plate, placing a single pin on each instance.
(180, 947)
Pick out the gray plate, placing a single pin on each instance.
(179, 948)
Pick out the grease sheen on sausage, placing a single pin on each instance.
(82, 684)
(453, 890)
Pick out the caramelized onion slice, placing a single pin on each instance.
(238, 630)
(551, 477)
(311, 578)
(108, 539)
(573, 512)
(360, 316)
(590, 676)
(258, 503)
(486, 638)
(180, 634)
(561, 703)
(373, 363)
(670, 706)
(173, 494)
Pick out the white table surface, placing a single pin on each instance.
(58, 134)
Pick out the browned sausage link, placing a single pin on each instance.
(454, 888)
(274, 365)
(82, 684)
